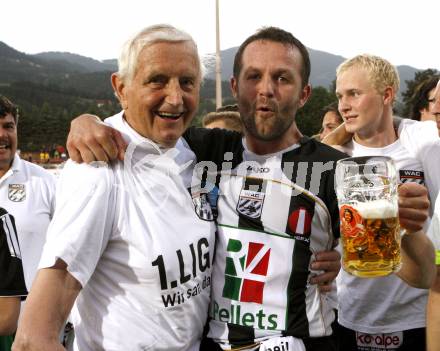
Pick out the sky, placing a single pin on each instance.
(402, 31)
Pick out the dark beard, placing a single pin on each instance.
(279, 128)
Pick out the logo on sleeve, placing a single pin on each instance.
(203, 201)
(17, 192)
(246, 271)
(202, 206)
(407, 175)
(300, 224)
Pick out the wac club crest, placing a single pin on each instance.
(17, 192)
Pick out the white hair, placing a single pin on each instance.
(128, 59)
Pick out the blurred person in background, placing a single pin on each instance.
(12, 285)
(331, 119)
(422, 102)
(27, 195)
(225, 117)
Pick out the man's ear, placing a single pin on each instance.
(388, 96)
(305, 94)
(120, 90)
(234, 84)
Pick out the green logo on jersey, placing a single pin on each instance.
(245, 271)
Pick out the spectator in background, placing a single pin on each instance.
(12, 285)
(226, 117)
(331, 119)
(27, 194)
(423, 102)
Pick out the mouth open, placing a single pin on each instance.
(4, 146)
(169, 115)
(264, 109)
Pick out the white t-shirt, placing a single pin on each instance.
(27, 192)
(130, 235)
(387, 304)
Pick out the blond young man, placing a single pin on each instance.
(386, 308)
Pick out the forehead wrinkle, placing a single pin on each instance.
(162, 61)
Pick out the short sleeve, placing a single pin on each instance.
(83, 218)
(421, 139)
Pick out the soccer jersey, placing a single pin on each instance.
(274, 212)
(27, 193)
(11, 269)
(139, 244)
(388, 304)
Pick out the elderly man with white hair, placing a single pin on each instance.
(128, 244)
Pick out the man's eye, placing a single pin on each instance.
(187, 82)
(283, 79)
(157, 80)
(253, 76)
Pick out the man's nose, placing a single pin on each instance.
(266, 86)
(174, 95)
(343, 105)
(3, 132)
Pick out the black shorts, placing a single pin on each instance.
(407, 340)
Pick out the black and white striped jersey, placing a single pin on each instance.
(11, 269)
(274, 212)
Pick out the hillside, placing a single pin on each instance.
(323, 68)
(51, 88)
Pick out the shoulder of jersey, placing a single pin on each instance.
(326, 152)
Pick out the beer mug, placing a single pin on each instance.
(366, 188)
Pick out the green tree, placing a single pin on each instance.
(412, 86)
(309, 117)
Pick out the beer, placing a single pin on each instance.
(370, 238)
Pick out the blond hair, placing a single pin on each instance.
(382, 74)
(231, 119)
